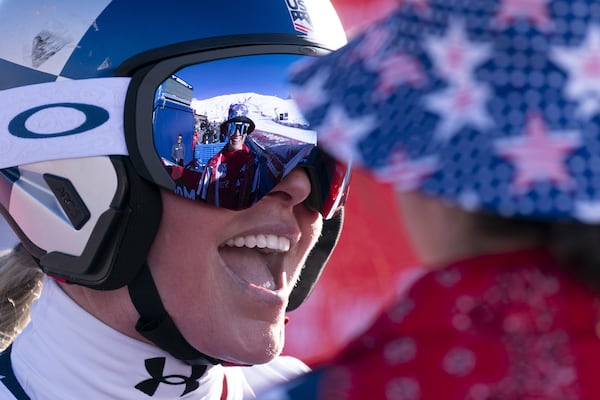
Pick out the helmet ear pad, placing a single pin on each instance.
(316, 260)
(121, 239)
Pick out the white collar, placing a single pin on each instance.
(66, 353)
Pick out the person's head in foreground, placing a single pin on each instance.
(148, 289)
(485, 116)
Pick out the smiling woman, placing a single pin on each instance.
(168, 189)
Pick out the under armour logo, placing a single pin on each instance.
(156, 366)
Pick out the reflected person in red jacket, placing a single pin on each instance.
(225, 179)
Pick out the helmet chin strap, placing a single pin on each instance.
(156, 325)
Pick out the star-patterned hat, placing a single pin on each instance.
(493, 105)
(238, 112)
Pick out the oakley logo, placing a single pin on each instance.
(94, 117)
(156, 367)
(300, 16)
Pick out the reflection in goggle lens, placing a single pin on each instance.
(241, 127)
(208, 102)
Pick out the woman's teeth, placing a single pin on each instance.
(267, 242)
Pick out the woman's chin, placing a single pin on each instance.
(262, 356)
(258, 352)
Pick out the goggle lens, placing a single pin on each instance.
(235, 127)
(209, 102)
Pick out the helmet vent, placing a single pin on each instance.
(69, 200)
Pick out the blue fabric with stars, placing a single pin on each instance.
(493, 105)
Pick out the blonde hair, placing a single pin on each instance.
(20, 285)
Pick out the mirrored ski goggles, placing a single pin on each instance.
(208, 100)
(198, 96)
(241, 128)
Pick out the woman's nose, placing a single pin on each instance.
(294, 188)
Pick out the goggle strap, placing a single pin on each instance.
(100, 101)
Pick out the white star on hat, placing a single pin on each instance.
(454, 56)
(539, 155)
(459, 106)
(583, 67)
(341, 134)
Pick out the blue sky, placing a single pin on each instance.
(264, 74)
